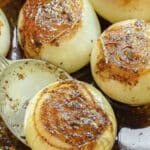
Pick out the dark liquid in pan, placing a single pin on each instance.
(132, 117)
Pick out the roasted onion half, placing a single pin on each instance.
(117, 10)
(61, 32)
(4, 34)
(70, 115)
(120, 62)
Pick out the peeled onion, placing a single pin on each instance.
(4, 34)
(120, 62)
(61, 32)
(117, 10)
(70, 115)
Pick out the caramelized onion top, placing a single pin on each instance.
(70, 113)
(126, 50)
(49, 21)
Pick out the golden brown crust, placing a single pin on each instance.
(49, 22)
(125, 47)
(71, 114)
